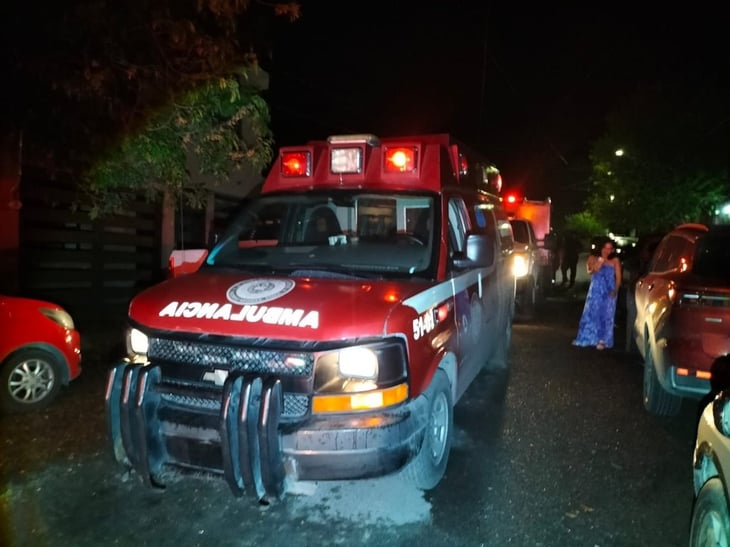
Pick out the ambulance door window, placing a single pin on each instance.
(457, 225)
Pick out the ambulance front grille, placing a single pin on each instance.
(295, 405)
(232, 357)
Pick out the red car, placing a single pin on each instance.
(683, 315)
(40, 351)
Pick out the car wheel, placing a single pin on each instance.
(710, 523)
(31, 380)
(656, 400)
(429, 465)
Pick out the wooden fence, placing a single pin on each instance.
(94, 267)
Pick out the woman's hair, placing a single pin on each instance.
(602, 243)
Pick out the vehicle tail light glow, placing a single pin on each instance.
(463, 165)
(296, 164)
(346, 160)
(400, 160)
(511, 198)
(701, 374)
(672, 292)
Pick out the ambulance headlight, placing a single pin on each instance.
(137, 342)
(520, 265)
(359, 368)
(358, 363)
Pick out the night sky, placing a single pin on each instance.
(529, 86)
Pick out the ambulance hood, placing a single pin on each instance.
(285, 308)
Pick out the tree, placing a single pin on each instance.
(584, 225)
(672, 165)
(132, 90)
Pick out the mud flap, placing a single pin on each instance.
(250, 443)
(132, 406)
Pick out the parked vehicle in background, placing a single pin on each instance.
(40, 351)
(634, 264)
(539, 213)
(710, 521)
(526, 268)
(683, 315)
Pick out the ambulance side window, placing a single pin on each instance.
(457, 225)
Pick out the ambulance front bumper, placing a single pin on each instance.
(237, 434)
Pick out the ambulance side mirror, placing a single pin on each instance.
(479, 252)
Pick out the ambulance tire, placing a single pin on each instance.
(427, 468)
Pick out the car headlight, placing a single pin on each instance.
(137, 342)
(58, 316)
(520, 265)
(360, 377)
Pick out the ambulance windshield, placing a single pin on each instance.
(361, 233)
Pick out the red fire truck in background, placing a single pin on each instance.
(332, 327)
(534, 249)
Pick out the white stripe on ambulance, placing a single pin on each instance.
(271, 315)
(433, 296)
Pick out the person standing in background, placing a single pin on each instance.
(597, 321)
(569, 251)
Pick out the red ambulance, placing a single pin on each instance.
(332, 328)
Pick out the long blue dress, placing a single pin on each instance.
(596, 323)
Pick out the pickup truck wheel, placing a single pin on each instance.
(529, 299)
(31, 380)
(710, 523)
(429, 465)
(500, 359)
(656, 400)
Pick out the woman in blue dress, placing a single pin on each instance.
(596, 323)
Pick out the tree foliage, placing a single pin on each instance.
(139, 84)
(584, 224)
(674, 167)
(199, 131)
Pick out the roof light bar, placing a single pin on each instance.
(360, 138)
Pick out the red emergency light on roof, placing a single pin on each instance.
(512, 198)
(296, 164)
(400, 160)
(463, 165)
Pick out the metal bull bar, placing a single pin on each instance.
(248, 426)
(249, 429)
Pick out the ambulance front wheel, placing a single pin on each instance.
(428, 466)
